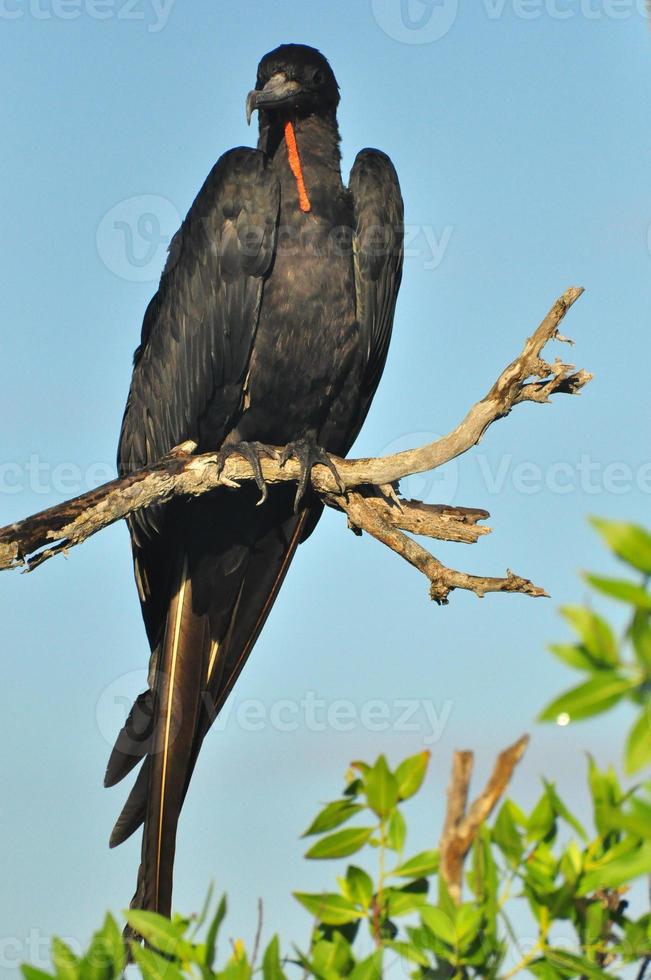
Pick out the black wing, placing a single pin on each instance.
(189, 382)
(378, 256)
(190, 368)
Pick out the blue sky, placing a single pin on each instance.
(520, 134)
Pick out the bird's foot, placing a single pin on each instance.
(308, 455)
(252, 452)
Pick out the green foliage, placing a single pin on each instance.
(397, 908)
(615, 669)
(389, 910)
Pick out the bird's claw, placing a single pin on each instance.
(308, 455)
(251, 452)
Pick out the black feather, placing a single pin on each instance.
(269, 324)
(134, 740)
(133, 811)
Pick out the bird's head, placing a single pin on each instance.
(294, 81)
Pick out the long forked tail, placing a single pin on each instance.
(221, 597)
(181, 665)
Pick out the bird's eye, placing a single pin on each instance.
(317, 77)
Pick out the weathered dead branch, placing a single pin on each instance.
(462, 825)
(370, 499)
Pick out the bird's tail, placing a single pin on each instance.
(173, 707)
(221, 596)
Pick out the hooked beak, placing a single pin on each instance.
(277, 92)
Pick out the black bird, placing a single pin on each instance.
(270, 325)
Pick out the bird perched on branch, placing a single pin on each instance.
(270, 327)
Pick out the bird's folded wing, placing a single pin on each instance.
(378, 256)
(191, 366)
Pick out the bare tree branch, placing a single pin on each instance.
(258, 934)
(370, 499)
(442, 580)
(461, 827)
(458, 789)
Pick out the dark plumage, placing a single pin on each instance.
(271, 324)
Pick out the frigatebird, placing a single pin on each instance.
(270, 327)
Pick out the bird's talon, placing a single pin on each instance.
(308, 455)
(341, 486)
(300, 490)
(251, 452)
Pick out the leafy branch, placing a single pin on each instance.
(448, 912)
(615, 668)
(369, 922)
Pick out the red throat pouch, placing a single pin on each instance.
(296, 168)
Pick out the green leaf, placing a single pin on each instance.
(271, 966)
(153, 966)
(408, 952)
(341, 844)
(64, 960)
(421, 865)
(571, 864)
(606, 794)
(397, 832)
(213, 932)
(331, 909)
(353, 788)
(540, 870)
(542, 821)
(577, 965)
(617, 869)
(622, 590)
(411, 773)
(31, 973)
(401, 901)
(114, 943)
(360, 886)
(440, 924)
(640, 816)
(595, 633)
(381, 788)
(333, 815)
(562, 811)
(482, 876)
(159, 932)
(640, 633)
(467, 925)
(106, 955)
(637, 821)
(203, 915)
(446, 902)
(362, 767)
(591, 698)
(368, 969)
(637, 753)
(237, 968)
(636, 939)
(596, 923)
(421, 938)
(506, 834)
(573, 656)
(331, 957)
(630, 542)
